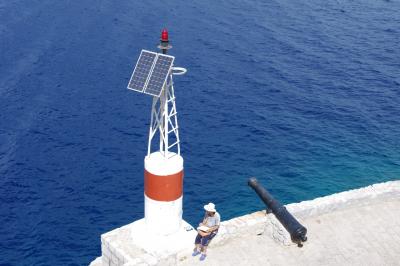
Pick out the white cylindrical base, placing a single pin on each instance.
(163, 179)
(163, 217)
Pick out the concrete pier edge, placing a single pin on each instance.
(118, 248)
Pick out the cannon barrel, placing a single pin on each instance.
(296, 230)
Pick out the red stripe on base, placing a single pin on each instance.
(163, 188)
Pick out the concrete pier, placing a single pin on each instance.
(356, 227)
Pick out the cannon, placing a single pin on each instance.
(296, 230)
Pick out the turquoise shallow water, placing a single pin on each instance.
(304, 96)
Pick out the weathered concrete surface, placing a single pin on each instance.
(365, 235)
(356, 227)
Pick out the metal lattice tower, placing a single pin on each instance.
(165, 121)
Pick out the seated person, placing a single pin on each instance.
(207, 230)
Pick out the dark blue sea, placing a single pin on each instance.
(304, 95)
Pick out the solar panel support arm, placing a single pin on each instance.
(178, 71)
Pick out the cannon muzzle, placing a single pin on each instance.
(296, 230)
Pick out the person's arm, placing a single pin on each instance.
(216, 226)
(213, 228)
(202, 233)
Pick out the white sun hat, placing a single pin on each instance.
(210, 207)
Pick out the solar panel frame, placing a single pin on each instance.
(159, 75)
(140, 76)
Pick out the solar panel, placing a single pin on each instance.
(159, 75)
(142, 71)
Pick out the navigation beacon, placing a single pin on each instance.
(163, 174)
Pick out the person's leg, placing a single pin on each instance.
(203, 253)
(204, 244)
(205, 241)
(200, 238)
(204, 250)
(197, 245)
(197, 241)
